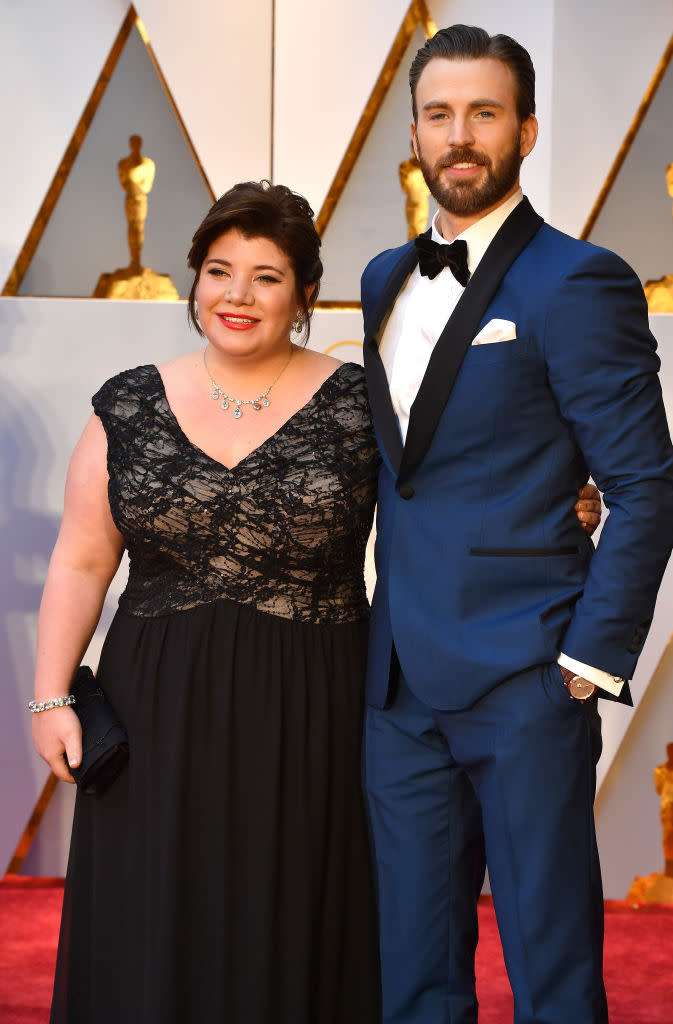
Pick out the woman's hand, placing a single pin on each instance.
(57, 732)
(589, 508)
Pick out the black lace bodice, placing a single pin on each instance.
(284, 530)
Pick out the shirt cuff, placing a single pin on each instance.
(613, 684)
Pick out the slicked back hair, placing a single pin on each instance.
(467, 42)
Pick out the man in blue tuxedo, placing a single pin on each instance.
(506, 363)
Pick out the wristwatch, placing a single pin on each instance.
(578, 687)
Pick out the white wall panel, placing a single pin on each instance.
(216, 58)
(605, 55)
(43, 96)
(635, 219)
(327, 59)
(370, 215)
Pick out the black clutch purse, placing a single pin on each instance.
(105, 744)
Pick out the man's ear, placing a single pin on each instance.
(528, 135)
(414, 139)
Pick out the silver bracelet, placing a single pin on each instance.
(47, 705)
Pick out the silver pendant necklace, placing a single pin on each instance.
(261, 402)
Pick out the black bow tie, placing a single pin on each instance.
(434, 256)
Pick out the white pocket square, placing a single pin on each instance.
(496, 330)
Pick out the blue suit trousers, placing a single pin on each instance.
(516, 771)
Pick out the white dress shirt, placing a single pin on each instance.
(422, 309)
(416, 321)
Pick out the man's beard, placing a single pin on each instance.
(463, 198)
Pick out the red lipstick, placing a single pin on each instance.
(237, 321)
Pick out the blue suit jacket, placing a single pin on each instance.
(482, 567)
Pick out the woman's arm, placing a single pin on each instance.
(85, 558)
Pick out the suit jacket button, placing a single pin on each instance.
(406, 491)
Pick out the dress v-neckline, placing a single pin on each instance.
(258, 448)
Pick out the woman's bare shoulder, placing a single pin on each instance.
(319, 362)
(176, 368)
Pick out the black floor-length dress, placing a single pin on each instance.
(225, 876)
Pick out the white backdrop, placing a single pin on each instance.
(273, 88)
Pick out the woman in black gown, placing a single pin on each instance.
(225, 875)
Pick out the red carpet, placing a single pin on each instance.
(30, 911)
(638, 958)
(638, 965)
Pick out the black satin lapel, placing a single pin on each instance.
(377, 382)
(452, 345)
(381, 405)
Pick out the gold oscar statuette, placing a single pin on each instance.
(417, 192)
(659, 294)
(658, 888)
(136, 176)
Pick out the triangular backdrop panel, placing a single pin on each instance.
(636, 219)
(86, 234)
(370, 215)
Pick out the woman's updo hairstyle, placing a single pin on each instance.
(262, 210)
